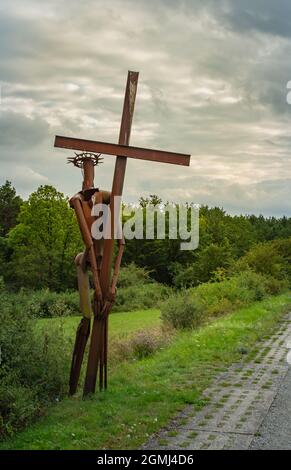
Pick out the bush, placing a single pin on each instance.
(218, 298)
(209, 260)
(132, 275)
(135, 291)
(145, 343)
(33, 369)
(266, 259)
(141, 296)
(253, 284)
(182, 311)
(190, 308)
(44, 303)
(141, 344)
(47, 304)
(275, 286)
(18, 405)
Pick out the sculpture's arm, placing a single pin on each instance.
(110, 297)
(121, 243)
(77, 205)
(83, 285)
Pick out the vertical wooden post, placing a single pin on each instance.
(99, 335)
(119, 174)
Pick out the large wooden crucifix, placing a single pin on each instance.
(98, 255)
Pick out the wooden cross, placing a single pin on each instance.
(123, 151)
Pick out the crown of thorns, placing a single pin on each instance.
(79, 158)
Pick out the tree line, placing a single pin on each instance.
(39, 239)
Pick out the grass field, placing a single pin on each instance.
(122, 327)
(121, 324)
(143, 395)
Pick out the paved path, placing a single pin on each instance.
(249, 405)
(275, 431)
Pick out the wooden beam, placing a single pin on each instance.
(119, 173)
(122, 150)
(105, 278)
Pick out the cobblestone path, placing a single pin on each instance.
(239, 402)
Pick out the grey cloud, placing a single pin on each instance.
(213, 80)
(20, 132)
(267, 16)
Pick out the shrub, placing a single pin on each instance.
(218, 308)
(182, 311)
(33, 369)
(190, 308)
(283, 248)
(209, 260)
(145, 343)
(240, 289)
(142, 296)
(141, 344)
(18, 405)
(253, 283)
(266, 259)
(135, 291)
(275, 286)
(132, 275)
(218, 298)
(47, 304)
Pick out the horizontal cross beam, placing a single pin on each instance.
(122, 150)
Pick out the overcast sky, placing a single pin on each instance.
(213, 83)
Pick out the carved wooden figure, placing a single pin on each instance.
(98, 254)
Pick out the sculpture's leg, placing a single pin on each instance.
(82, 336)
(95, 353)
(99, 337)
(83, 329)
(110, 304)
(101, 368)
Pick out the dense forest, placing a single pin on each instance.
(39, 239)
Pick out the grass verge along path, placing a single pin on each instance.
(144, 395)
